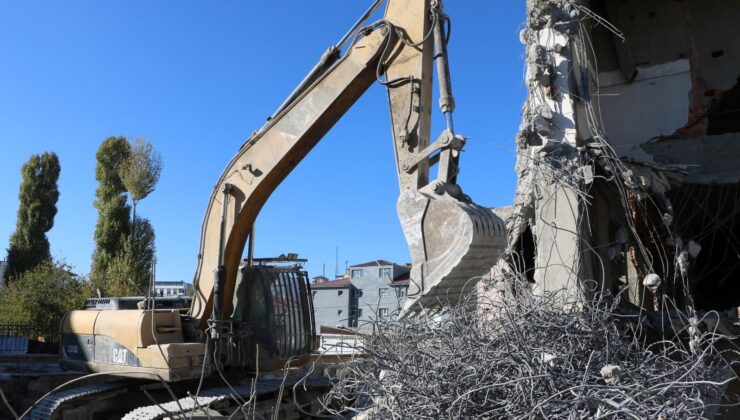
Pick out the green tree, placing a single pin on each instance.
(37, 198)
(128, 273)
(143, 250)
(113, 225)
(41, 296)
(124, 253)
(140, 174)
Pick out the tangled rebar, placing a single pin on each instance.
(582, 351)
(518, 355)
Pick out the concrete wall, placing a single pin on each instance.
(327, 302)
(339, 344)
(660, 88)
(662, 92)
(684, 55)
(370, 302)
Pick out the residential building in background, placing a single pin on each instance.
(332, 303)
(376, 295)
(319, 279)
(367, 292)
(171, 288)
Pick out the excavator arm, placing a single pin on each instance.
(265, 160)
(450, 238)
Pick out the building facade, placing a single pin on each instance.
(376, 293)
(609, 193)
(171, 288)
(368, 292)
(332, 303)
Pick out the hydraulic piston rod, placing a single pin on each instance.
(446, 100)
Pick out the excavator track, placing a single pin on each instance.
(211, 397)
(49, 406)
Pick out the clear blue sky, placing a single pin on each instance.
(196, 78)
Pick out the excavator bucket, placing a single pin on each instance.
(452, 243)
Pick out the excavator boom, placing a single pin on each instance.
(266, 159)
(450, 238)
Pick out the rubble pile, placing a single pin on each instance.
(623, 242)
(521, 355)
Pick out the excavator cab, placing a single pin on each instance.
(272, 320)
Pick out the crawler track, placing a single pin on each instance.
(213, 398)
(46, 409)
(209, 398)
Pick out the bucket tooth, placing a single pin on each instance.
(452, 242)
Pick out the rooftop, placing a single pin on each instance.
(332, 284)
(170, 283)
(374, 263)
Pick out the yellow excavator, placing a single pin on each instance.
(249, 315)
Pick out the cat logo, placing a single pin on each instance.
(119, 356)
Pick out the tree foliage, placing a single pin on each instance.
(38, 195)
(140, 174)
(111, 155)
(125, 249)
(41, 296)
(142, 248)
(141, 170)
(128, 273)
(113, 226)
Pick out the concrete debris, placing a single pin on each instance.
(652, 281)
(587, 173)
(683, 263)
(694, 248)
(695, 340)
(611, 197)
(609, 190)
(530, 354)
(611, 374)
(668, 219)
(549, 359)
(649, 179)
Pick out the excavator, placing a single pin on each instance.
(249, 316)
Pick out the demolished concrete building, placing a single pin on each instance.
(627, 155)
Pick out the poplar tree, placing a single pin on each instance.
(139, 174)
(113, 226)
(37, 196)
(124, 254)
(129, 272)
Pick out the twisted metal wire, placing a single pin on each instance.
(518, 355)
